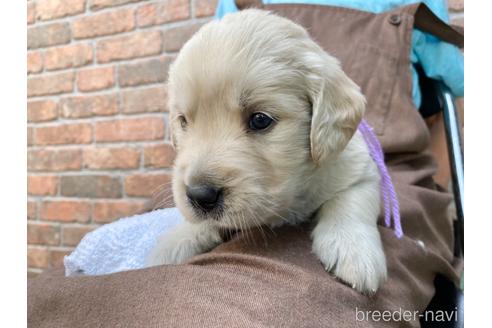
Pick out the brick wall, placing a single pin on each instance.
(457, 12)
(98, 140)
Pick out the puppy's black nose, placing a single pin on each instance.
(203, 196)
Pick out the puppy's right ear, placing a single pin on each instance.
(337, 106)
(170, 107)
(173, 139)
(172, 131)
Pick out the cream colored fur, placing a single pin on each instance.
(312, 164)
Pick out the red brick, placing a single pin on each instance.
(90, 186)
(72, 235)
(205, 8)
(38, 257)
(50, 9)
(57, 256)
(87, 106)
(145, 185)
(175, 38)
(458, 21)
(54, 160)
(48, 35)
(111, 158)
(80, 133)
(65, 211)
(42, 110)
(109, 211)
(95, 79)
(31, 12)
(144, 100)
(145, 72)
(74, 55)
(99, 4)
(43, 234)
(42, 185)
(135, 129)
(31, 210)
(105, 23)
(456, 5)
(34, 62)
(159, 156)
(50, 85)
(163, 12)
(136, 45)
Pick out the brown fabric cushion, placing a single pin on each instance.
(271, 278)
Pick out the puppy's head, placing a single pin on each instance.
(255, 108)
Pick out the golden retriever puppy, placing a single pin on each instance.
(265, 127)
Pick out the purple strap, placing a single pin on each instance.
(390, 200)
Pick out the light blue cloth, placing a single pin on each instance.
(121, 245)
(439, 60)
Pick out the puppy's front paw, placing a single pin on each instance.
(171, 250)
(181, 243)
(358, 260)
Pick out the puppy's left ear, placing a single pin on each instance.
(337, 107)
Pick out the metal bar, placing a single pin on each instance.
(455, 150)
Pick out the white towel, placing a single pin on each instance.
(121, 245)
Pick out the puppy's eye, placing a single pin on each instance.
(260, 121)
(182, 121)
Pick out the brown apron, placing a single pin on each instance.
(273, 279)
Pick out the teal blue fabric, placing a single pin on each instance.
(225, 7)
(439, 60)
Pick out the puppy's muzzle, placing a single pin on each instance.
(204, 197)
